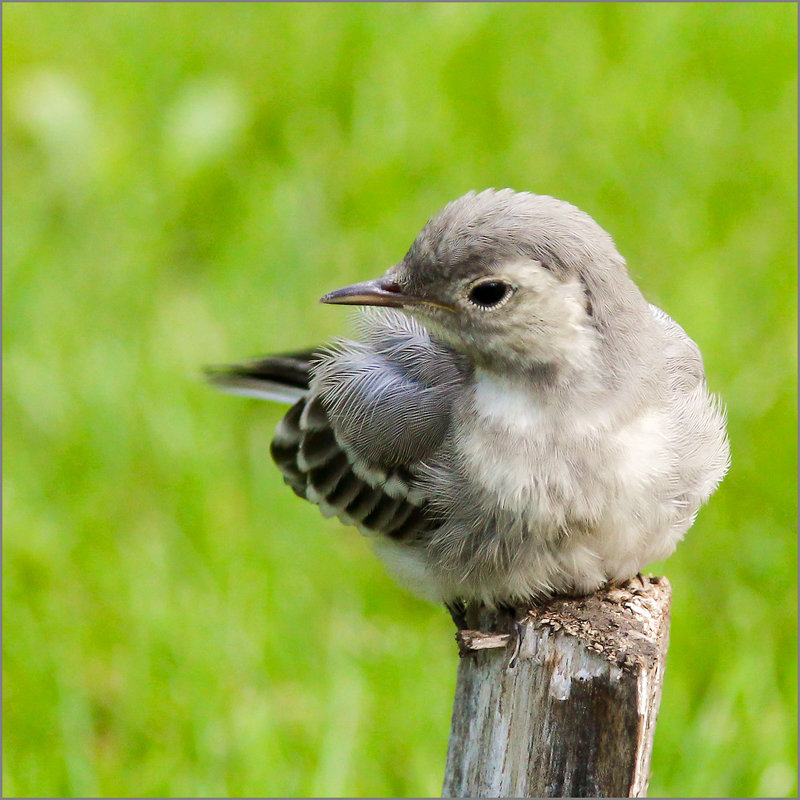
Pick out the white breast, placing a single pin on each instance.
(550, 463)
(527, 456)
(505, 404)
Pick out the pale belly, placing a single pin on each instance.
(578, 499)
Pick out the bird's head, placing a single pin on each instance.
(512, 280)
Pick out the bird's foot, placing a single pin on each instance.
(469, 641)
(516, 635)
(458, 611)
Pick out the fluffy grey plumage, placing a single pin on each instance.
(516, 420)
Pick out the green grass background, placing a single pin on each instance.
(181, 183)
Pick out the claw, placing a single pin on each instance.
(516, 635)
(458, 611)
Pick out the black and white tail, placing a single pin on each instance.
(282, 378)
(314, 463)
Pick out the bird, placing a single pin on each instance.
(514, 420)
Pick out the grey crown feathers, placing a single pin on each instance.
(515, 421)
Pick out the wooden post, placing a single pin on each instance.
(575, 716)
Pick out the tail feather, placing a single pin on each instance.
(281, 378)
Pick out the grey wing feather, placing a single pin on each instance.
(389, 396)
(682, 358)
(374, 410)
(697, 422)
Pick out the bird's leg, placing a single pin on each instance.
(458, 611)
(511, 611)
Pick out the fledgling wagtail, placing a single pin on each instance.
(515, 421)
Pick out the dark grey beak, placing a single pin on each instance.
(380, 292)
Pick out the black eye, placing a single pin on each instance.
(488, 293)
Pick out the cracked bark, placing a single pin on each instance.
(576, 715)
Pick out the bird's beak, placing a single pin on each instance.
(380, 292)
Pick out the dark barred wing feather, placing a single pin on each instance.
(319, 469)
(364, 416)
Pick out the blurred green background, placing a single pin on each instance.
(181, 183)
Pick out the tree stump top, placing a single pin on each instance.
(620, 623)
(576, 716)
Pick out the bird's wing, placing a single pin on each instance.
(389, 396)
(697, 422)
(682, 359)
(369, 413)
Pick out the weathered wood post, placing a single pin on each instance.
(576, 715)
